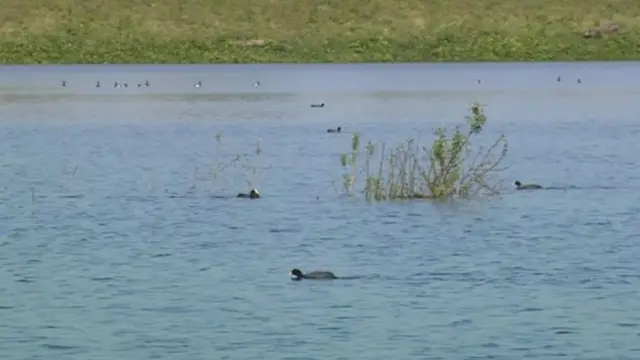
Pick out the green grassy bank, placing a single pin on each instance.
(249, 31)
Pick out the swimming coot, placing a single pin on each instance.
(337, 130)
(521, 186)
(253, 194)
(314, 275)
(317, 105)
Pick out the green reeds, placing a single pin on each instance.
(449, 168)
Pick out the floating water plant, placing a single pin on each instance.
(449, 168)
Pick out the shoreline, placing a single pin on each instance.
(311, 32)
(288, 64)
(51, 52)
(255, 64)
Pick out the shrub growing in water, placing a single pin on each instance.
(247, 162)
(450, 168)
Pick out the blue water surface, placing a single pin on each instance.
(120, 240)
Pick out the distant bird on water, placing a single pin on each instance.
(253, 194)
(297, 275)
(521, 186)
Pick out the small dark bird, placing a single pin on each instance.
(64, 84)
(317, 105)
(521, 186)
(253, 194)
(297, 275)
(97, 84)
(334, 130)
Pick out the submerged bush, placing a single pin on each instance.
(449, 168)
(229, 169)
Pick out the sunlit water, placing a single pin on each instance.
(118, 243)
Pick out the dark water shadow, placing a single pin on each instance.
(364, 277)
(193, 195)
(222, 197)
(572, 187)
(71, 196)
(137, 198)
(352, 277)
(560, 188)
(421, 276)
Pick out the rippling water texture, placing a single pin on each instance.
(116, 241)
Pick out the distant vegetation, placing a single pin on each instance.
(449, 168)
(249, 31)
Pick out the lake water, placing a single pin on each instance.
(116, 241)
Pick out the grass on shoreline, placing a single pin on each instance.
(249, 31)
